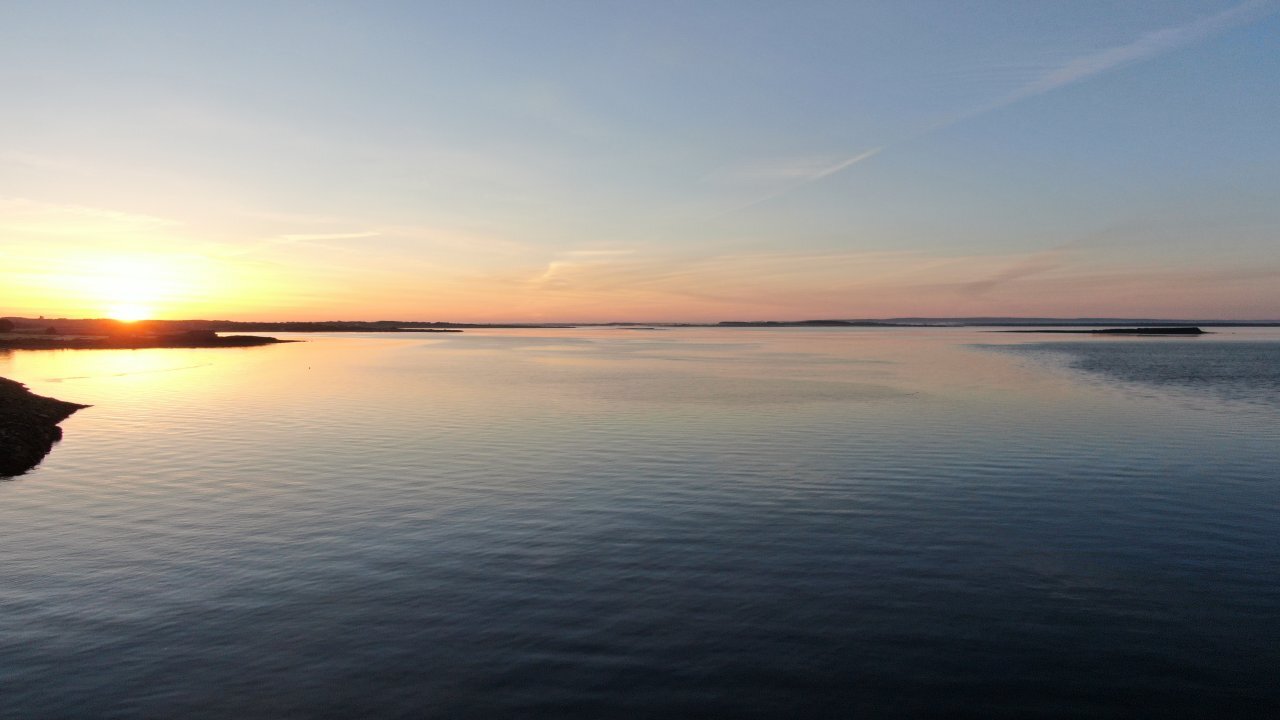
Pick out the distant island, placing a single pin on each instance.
(28, 426)
(130, 340)
(1179, 330)
(1121, 324)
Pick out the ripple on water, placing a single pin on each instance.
(722, 523)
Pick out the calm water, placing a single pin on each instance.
(682, 523)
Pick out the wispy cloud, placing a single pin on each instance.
(416, 245)
(846, 163)
(1037, 264)
(319, 241)
(29, 219)
(1146, 47)
(319, 237)
(41, 161)
(801, 168)
(696, 284)
(797, 172)
(292, 218)
(573, 260)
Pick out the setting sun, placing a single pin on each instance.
(128, 288)
(129, 312)
(132, 287)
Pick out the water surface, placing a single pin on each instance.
(690, 523)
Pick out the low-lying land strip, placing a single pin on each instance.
(132, 341)
(1121, 331)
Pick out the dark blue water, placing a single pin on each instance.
(1243, 370)
(709, 523)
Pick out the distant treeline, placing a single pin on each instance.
(804, 323)
(107, 326)
(998, 322)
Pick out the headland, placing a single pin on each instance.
(132, 341)
(28, 426)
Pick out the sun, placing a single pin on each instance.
(129, 312)
(128, 289)
(133, 286)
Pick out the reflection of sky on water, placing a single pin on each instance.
(479, 522)
(1243, 370)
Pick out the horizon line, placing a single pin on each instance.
(493, 323)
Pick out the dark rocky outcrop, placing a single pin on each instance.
(1118, 331)
(189, 339)
(1151, 331)
(28, 426)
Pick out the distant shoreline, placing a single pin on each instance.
(190, 339)
(108, 327)
(1179, 331)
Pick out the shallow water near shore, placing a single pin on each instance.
(587, 522)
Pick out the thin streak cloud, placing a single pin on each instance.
(1040, 263)
(1080, 69)
(815, 175)
(310, 237)
(1146, 47)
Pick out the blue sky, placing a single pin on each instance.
(632, 161)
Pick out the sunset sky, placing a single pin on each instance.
(664, 161)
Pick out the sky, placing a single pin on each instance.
(623, 161)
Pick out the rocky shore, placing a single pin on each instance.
(28, 426)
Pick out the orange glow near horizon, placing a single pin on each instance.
(128, 287)
(129, 312)
(149, 280)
